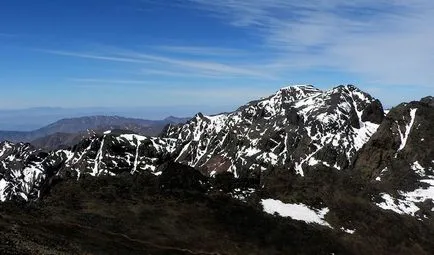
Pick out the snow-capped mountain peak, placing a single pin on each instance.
(299, 126)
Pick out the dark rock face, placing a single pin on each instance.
(176, 177)
(429, 100)
(405, 135)
(373, 113)
(399, 158)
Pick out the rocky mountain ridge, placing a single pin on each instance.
(300, 130)
(399, 157)
(299, 127)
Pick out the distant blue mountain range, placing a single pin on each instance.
(35, 118)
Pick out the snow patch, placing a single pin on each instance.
(295, 211)
(349, 231)
(136, 158)
(408, 127)
(364, 133)
(3, 185)
(312, 161)
(418, 168)
(251, 151)
(366, 130)
(407, 205)
(399, 206)
(98, 159)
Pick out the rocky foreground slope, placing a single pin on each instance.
(361, 179)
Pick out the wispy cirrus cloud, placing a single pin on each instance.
(383, 41)
(171, 64)
(201, 50)
(93, 56)
(109, 81)
(206, 67)
(177, 73)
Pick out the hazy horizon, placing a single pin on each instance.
(32, 118)
(29, 119)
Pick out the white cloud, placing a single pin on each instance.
(383, 41)
(94, 56)
(202, 67)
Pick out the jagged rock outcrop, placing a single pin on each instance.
(399, 158)
(25, 170)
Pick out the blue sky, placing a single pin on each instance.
(198, 53)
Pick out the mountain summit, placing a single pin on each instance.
(298, 127)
